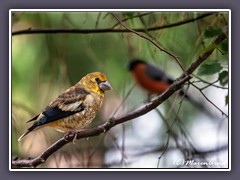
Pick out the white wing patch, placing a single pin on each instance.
(70, 107)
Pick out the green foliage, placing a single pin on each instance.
(212, 32)
(129, 14)
(226, 100)
(224, 46)
(209, 68)
(206, 49)
(223, 78)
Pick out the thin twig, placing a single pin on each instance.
(98, 17)
(123, 101)
(136, 16)
(223, 113)
(123, 156)
(164, 50)
(150, 40)
(171, 148)
(164, 150)
(170, 131)
(211, 84)
(95, 150)
(208, 85)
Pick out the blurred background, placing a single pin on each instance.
(46, 64)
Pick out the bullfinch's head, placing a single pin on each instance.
(134, 63)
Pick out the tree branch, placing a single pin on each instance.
(118, 120)
(106, 30)
(223, 113)
(209, 83)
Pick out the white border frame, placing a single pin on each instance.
(115, 10)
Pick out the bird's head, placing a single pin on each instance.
(134, 63)
(96, 82)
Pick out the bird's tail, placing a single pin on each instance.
(200, 106)
(24, 134)
(30, 129)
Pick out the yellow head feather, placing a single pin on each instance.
(92, 82)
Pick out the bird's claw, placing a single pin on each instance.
(75, 138)
(66, 136)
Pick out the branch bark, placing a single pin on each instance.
(118, 120)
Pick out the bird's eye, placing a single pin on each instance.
(98, 80)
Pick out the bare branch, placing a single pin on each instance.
(223, 113)
(210, 84)
(105, 30)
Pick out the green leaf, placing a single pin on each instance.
(212, 32)
(223, 78)
(209, 68)
(129, 14)
(226, 100)
(224, 45)
(206, 49)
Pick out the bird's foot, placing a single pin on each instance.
(66, 136)
(75, 137)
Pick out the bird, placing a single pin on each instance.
(151, 78)
(155, 81)
(75, 108)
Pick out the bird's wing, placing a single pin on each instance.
(157, 74)
(66, 104)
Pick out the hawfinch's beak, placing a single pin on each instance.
(104, 86)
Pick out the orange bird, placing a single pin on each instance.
(149, 77)
(154, 80)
